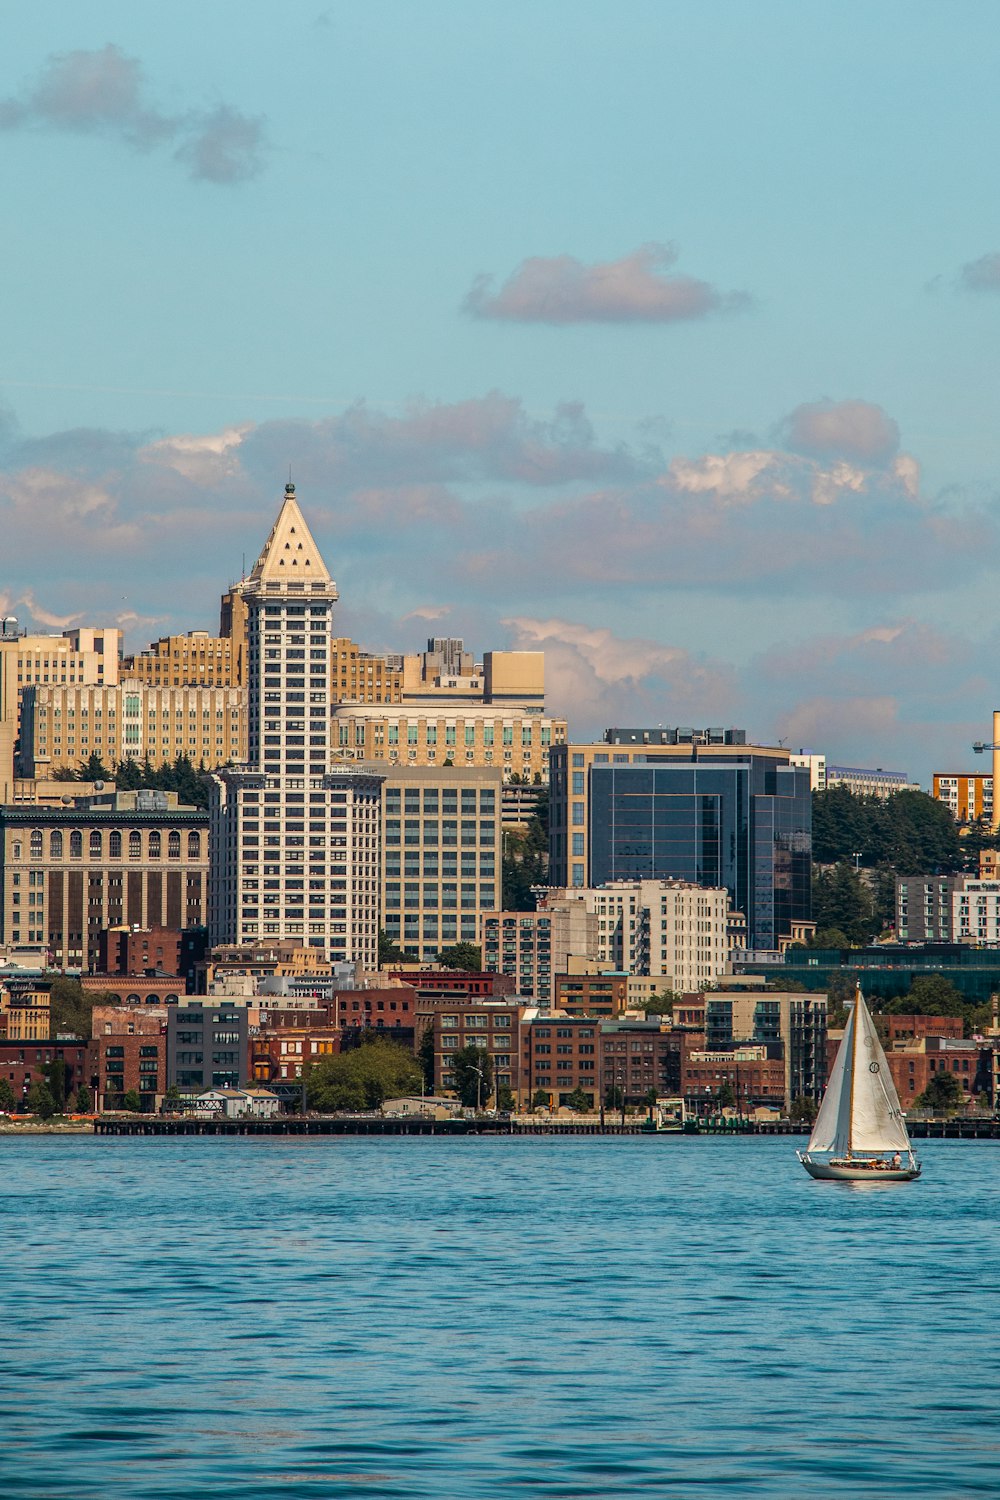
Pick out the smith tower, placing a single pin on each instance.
(295, 849)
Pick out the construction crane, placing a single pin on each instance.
(994, 745)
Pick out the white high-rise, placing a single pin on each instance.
(295, 849)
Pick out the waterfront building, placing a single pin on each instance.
(792, 1026)
(967, 795)
(561, 1056)
(130, 720)
(77, 657)
(442, 854)
(22, 1064)
(208, 1045)
(128, 1052)
(864, 781)
(493, 1025)
(707, 813)
(108, 860)
(296, 849)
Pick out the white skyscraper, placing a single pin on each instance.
(295, 849)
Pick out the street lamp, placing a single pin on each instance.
(857, 861)
(620, 1077)
(479, 1088)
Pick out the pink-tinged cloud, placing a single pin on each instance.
(982, 275)
(858, 431)
(103, 92)
(636, 289)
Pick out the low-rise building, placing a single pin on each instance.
(128, 1053)
(208, 1045)
(23, 1063)
(866, 781)
(594, 994)
(239, 1104)
(24, 1009)
(492, 1025)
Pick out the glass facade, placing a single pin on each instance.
(745, 825)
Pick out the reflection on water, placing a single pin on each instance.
(492, 1318)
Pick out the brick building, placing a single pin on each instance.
(139, 950)
(590, 994)
(128, 1051)
(493, 1025)
(21, 1063)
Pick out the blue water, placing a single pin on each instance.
(493, 1317)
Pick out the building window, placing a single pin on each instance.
(135, 844)
(96, 844)
(55, 845)
(173, 845)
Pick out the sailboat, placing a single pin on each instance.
(860, 1134)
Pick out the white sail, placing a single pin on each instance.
(832, 1128)
(877, 1122)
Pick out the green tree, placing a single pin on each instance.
(942, 1095)
(362, 1078)
(540, 1099)
(132, 1101)
(841, 900)
(8, 1103)
(425, 1054)
(388, 951)
(908, 832)
(526, 858)
(725, 1096)
(84, 1101)
(93, 769)
(929, 995)
(661, 1004)
(580, 1101)
(613, 1097)
(54, 1073)
(473, 1070)
(71, 1007)
(40, 1101)
(803, 1109)
(467, 956)
(505, 1098)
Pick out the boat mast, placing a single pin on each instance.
(854, 1069)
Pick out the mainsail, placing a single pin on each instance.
(860, 1109)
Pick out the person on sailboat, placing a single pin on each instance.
(897, 1160)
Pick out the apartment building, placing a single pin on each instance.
(968, 796)
(111, 860)
(532, 946)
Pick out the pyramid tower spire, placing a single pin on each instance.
(290, 555)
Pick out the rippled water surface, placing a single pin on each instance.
(493, 1318)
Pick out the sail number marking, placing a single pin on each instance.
(873, 1067)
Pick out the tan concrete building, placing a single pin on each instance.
(77, 657)
(358, 676)
(512, 738)
(24, 1011)
(62, 726)
(441, 854)
(193, 660)
(667, 929)
(124, 859)
(533, 946)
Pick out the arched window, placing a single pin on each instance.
(132, 1000)
(135, 844)
(76, 844)
(152, 999)
(170, 999)
(36, 843)
(55, 844)
(173, 844)
(96, 843)
(194, 846)
(154, 844)
(115, 844)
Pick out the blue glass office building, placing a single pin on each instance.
(744, 823)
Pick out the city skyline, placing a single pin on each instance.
(709, 423)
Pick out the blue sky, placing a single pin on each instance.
(659, 335)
